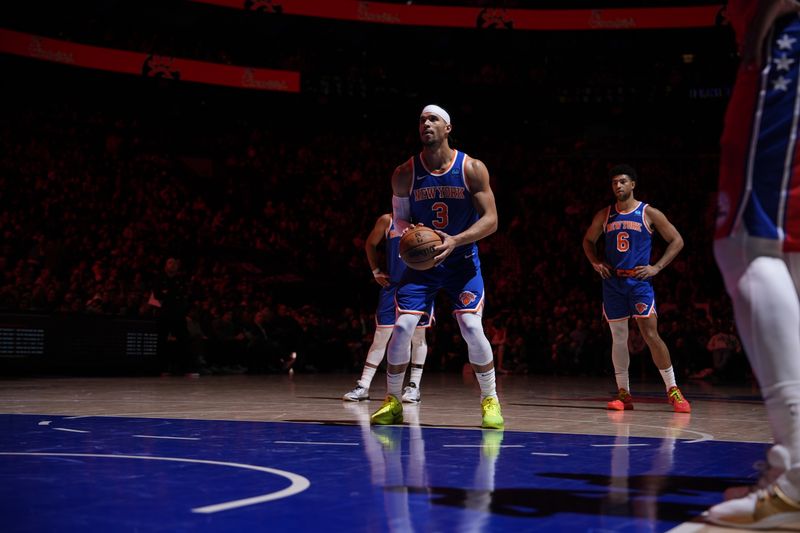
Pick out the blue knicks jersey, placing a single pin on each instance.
(442, 201)
(394, 264)
(628, 238)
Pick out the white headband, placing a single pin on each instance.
(436, 110)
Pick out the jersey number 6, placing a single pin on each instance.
(622, 241)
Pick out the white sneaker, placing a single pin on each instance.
(357, 394)
(411, 394)
(778, 462)
(768, 508)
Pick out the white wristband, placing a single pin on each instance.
(375, 271)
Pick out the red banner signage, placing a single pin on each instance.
(175, 68)
(489, 18)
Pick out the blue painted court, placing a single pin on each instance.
(144, 474)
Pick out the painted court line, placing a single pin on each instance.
(45, 422)
(482, 446)
(618, 445)
(551, 454)
(165, 437)
(72, 430)
(298, 482)
(314, 442)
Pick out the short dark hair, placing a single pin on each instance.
(628, 170)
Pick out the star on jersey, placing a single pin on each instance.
(781, 84)
(783, 62)
(786, 42)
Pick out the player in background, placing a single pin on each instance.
(384, 229)
(448, 191)
(627, 287)
(757, 244)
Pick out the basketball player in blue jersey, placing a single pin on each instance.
(627, 287)
(757, 245)
(448, 191)
(384, 229)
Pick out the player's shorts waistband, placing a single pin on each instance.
(624, 272)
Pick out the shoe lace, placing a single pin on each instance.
(676, 395)
(491, 407)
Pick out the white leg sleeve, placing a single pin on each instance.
(478, 346)
(375, 355)
(767, 308)
(619, 353)
(763, 288)
(378, 347)
(419, 347)
(399, 352)
(419, 352)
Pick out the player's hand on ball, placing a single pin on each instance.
(446, 248)
(410, 227)
(418, 247)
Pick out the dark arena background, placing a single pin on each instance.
(250, 145)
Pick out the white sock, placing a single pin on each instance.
(366, 376)
(486, 380)
(394, 384)
(419, 352)
(623, 381)
(668, 375)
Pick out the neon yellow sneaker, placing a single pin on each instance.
(492, 418)
(391, 412)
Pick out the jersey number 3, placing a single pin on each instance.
(440, 218)
(622, 241)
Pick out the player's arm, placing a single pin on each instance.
(767, 13)
(401, 188)
(371, 248)
(476, 176)
(658, 220)
(590, 244)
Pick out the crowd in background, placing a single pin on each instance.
(266, 199)
(270, 234)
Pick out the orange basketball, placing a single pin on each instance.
(416, 247)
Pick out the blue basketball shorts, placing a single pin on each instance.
(387, 310)
(627, 297)
(459, 277)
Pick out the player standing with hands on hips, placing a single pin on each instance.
(627, 287)
(448, 191)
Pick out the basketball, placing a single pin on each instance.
(416, 247)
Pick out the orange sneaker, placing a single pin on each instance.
(679, 403)
(623, 401)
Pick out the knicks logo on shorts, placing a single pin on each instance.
(467, 298)
(641, 308)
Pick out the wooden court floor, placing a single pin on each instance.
(545, 416)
